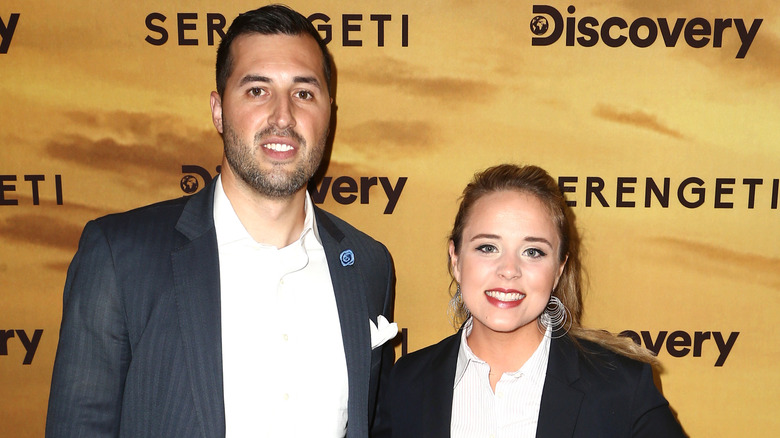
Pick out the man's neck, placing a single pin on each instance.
(271, 221)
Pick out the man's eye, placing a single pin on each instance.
(304, 94)
(256, 91)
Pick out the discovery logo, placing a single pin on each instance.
(587, 31)
(30, 343)
(343, 189)
(680, 343)
(7, 32)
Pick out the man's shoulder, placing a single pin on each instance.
(158, 213)
(163, 213)
(339, 228)
(143, 232)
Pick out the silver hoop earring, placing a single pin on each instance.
(455, 302)
(554, 317)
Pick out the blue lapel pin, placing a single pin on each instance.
(347, 257)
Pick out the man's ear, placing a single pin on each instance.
(216, 111)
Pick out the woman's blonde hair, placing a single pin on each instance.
(536, 181)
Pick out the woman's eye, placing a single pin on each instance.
(487, 248)
(534, 253)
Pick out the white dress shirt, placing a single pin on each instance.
(512, 411)
(284, 369)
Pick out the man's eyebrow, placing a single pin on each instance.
(297, 79)
(253, 78)
(311, 80)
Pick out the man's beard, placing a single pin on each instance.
(276, 183)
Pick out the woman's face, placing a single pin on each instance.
(507, 265)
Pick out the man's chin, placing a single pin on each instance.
(278, 187)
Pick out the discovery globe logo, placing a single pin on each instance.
(192, 175)
(189, 184)
(539, 25)
(549, 25)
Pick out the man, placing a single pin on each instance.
(244, 309)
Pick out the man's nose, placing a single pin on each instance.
(282, 115)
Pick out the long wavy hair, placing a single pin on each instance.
(536, 181)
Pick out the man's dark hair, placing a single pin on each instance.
(268, 20)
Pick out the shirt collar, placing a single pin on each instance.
(535, 366)
(465, 355)
(230, 229)
(310, 234)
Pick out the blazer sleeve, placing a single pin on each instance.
(93, 351)
(653, 416)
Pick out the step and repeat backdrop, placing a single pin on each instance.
(659, 119)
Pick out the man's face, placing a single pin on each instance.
(274, 114)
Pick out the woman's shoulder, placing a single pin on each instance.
(614, 387)
(600, 365)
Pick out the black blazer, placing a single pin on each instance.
(600, 394)
(140, 351)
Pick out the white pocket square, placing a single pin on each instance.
(382, 331)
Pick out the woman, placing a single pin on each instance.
(521, 365)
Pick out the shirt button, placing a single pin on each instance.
(284, 337)
(286, 396)
(281, 281)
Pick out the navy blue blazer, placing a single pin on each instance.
(140, 352)
(598, 394)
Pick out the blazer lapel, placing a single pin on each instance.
(197, 291)
(348, 287)
(560, 401)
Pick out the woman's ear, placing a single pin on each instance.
(454, 262)
(560, 271)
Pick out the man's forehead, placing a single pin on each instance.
(275, 42)
(300, 48)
